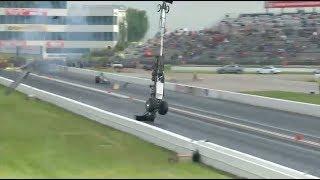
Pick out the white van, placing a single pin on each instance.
(51, 56)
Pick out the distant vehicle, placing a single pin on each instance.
(108, 65)
(317, 74)
(148, 53)
(230, 69)
(116, 65)
(147, 67)
(54, 56)
(130, 64)
(281, 50)
(29, 59)
(268, 70)
(317, 71)
(100, 79)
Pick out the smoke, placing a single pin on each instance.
(36, 30)
(77, 15)
(40, 23)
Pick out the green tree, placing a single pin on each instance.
(122, 41)
(138, 24)
(123, 31)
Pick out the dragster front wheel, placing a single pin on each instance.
(148, 116)
(151, 104)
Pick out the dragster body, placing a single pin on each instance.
(156, 102)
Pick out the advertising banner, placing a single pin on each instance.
(33, 27)
(12, 43)
(25, 12)
(55, 44)
(291, 4)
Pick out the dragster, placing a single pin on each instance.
(156, 102)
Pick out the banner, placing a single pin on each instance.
(26, 28)
(55, 44)
(291, 4)
(25, 12)
(12, 43)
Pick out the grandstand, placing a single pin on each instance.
(286, 38)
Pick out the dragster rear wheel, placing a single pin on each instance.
(97, 79)
(163, 108)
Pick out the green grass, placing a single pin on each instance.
(293, 72)
(192, 71)
(40, 140)
(293, 96)
(311, 80)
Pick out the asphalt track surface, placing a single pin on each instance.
(292, 155)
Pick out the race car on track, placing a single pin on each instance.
(100, 79)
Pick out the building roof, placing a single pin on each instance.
(120, 7)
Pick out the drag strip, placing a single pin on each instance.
(302, 124)
(290, 155)
(284, 134)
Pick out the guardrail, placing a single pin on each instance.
(219, 156)
(237, 163)
(272, 103)
(249, 69)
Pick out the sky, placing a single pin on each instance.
(193, 15)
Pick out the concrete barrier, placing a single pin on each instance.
(249, 69)
(251, 167)
(284, 105)
(272, 103)
(231, 161)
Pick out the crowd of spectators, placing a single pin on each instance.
(265, 38)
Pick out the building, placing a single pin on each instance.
(58, 27)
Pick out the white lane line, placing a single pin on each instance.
(84, 87)
(274, 134)
(244, 120)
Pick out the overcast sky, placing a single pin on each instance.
(193, 15)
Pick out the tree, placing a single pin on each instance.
(138, 24)
(123, 32)
(122, 41)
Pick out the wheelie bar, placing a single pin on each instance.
(156, 101)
